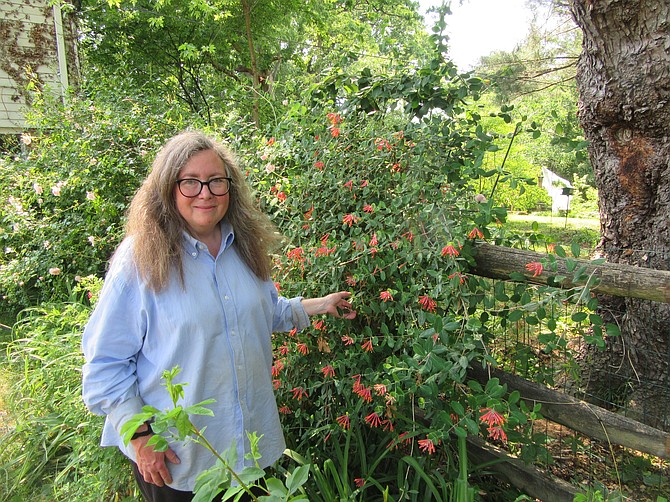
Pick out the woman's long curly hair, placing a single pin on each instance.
(157, 227)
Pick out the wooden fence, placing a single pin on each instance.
(497, 262)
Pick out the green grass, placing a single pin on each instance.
(540, 230)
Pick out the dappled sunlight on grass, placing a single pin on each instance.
(557, 229)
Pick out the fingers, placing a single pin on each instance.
(152, 464)
(340, 304)
(172, 456)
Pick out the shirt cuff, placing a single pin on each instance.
(298, 315)
(125, 411)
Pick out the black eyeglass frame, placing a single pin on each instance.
(204, 183)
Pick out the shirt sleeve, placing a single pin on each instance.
(289, 312)
(111, 343)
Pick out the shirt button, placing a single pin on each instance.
(226, 297)
(194, 254)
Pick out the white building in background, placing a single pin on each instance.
(37, 43)
(559, 190)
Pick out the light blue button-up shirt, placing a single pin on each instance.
(217, 329)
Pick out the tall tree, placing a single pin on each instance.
(623, 76)
(236, 54)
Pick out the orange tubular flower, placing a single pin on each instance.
(427, 445)
(475, 233)
(535, 267)
(299, 393)
(385, 296)
(328, 371)
(427, 303)
(450, 250)
(343, 420)
(374, 420)
(491, 417)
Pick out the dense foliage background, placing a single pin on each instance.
(380, 162)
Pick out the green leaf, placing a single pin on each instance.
(578, 316)
(574, 247)
(297, 478)
(276, 487)
(515, 315)
(458, 408)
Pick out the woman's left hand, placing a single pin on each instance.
(335, 304)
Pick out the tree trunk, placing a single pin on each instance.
(246, 8)
(623, 77)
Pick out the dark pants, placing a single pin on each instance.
(153, 493)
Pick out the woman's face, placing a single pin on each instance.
(203, 212)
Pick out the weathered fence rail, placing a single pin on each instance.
(498, 262)
(583, 417)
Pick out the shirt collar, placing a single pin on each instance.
(194, 247)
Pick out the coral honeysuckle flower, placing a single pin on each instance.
(368, 208)
(461, 277)
(374, 241)
(319, 165)
(374, 420)
(498, 433)
(350, 219)
(380, 389)
(285, 410)
(385, 296)
(296, 254)
(349, 184)
(427, 445)
(303, 349)
(320, 325)
(299, 393)
(281, 196)
(427, 303)
(348, 340)
(363, 392)
(551, 248)
(360, 482)
(271, 141)
(491, 417)
(334, 131)
(343, 420)
(535, 267)
(475, 233)
(276, 368)
(328, 371)
(324, 251)
(334, 118)
(367, 346)
(364, 183)
(450, 250)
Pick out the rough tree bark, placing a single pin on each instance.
(623, 77)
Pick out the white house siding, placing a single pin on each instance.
(28, 46)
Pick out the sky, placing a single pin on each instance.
(478, 27)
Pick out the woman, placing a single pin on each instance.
(190, 286)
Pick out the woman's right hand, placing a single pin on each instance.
(153, 464)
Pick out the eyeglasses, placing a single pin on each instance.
(191, 187)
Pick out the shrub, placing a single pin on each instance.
(66, 194)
